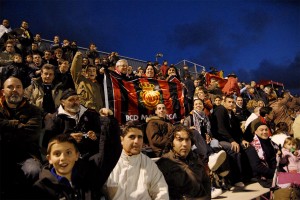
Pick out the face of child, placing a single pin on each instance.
(63, 157)
(218, 101)
(91, 73)
(18, 59)
(289, 145)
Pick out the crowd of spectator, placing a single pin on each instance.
(59, 141)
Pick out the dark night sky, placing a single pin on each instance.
(254, 39)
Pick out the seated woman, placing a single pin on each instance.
(183, 169)
(198, 121)
(262, 155)
(135, 176)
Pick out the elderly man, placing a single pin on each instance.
(81, 123)
(20, 124)
(122, 68)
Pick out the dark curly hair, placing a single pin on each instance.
(176, 129)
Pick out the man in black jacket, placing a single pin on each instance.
(20, 125)
(73, 119)
(226, 129)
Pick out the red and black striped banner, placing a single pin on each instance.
(136, 99)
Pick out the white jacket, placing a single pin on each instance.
(136, 177)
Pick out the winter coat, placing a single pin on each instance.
(19, 141)
(264, 168)
(136, 177)
(64, 123)
(88, 177)
(20, 71)
(280, 113)
(20, 129)
(158, 131)
(91, 92)
(35, 93)
(296, 127)
(225, 128)
(186, 178)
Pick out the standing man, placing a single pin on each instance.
(226, 128)
(4, 31)
(24, 36)
(20, 125)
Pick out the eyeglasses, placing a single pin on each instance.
(9, 46)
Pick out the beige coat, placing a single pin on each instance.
(35, 93)
(90, 92)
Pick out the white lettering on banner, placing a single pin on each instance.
(172, 116)
(132, 117)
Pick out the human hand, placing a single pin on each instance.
(235, 147)
(78, 53)
(245, 144)
(92, 135)
(77, 136)
(105, 112)
(101, 70)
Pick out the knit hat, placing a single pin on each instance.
(67, 93)
(258, 124)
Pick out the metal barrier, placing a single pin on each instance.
(194, 68)
(135, 63)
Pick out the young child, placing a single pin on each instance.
(69, 177)
(291, 155)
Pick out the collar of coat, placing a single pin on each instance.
(5, 107)
(61, 111)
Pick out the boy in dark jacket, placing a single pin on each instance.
(69, 177)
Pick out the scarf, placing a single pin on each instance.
(257, 145)
(198, 120)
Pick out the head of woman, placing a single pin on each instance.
(150, 71)
(172, 71)
(198, 105)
